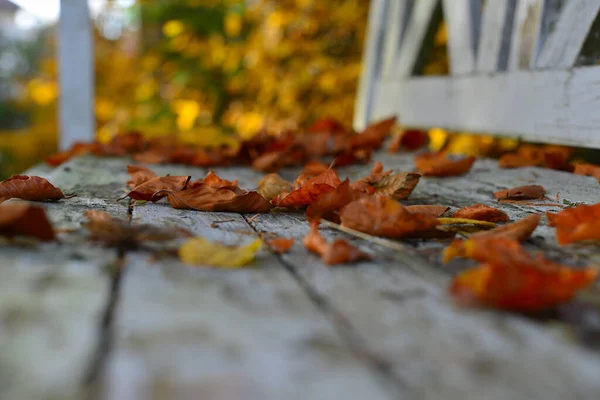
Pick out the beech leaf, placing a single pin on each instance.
(337, 252)
(32, 188)
(438, 164)
(208, 198)
(528, 192)
(280, 245)
(155, 189)
(483, 213)
(199, 251)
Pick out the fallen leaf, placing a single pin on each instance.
(138, 175)
(32, 188)
(155, 189)
(310, 191)
(434, 211)
(280, 245)
(483, 213)
(78, 149)
(528, 192)
(199, 251)
(438, 164)
(328, 202)
(587, 170)
(212, 179)
(272, 185)
(382, 216)
(409, 140)
(510, 279)
(208, 198)
(327, 125)
(152, 156)
(387, 183)
(337, 252)
(373, 136)
(21, 219)
(519, 231)
(549, 156)
(576, 224)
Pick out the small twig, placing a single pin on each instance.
(253, 218)
(215, 224)
(465, 221)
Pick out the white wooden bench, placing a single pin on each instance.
(79, 321)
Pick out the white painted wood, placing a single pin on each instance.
(416, 31)
(76, 73)
(398, 16)
(462, 19)
(525, 34)
(540, 106)
(494, 40)
(565, 42)
(371, 63)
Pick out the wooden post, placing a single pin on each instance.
(76, 73)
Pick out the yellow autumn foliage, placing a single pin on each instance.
(200, 251)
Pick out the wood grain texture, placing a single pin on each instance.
(496, 30)
(462, 18)
(538, 106)
(566, 40)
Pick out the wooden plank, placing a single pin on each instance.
(53, 297)
(494, 41)
(398, 16)
(419, 26)
(196, 332)
(565, 42)
(371, 63)
(542, 106)
(525, 35)
(76, 73)
(462, 19)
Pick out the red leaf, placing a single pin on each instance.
(209, 198)
(482, 212)
(409, 140)
(280, 245)
(576, 224)
(528, 192)
(33, 188)
(338, 252)
(152, 190)
(309, 192)
(438, 164)
(20, 219)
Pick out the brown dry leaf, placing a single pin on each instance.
(519, 230)
(138, 175)
(327, 203)
(587, 170)
(212, 179)
(434, 211)
(438, 164)
(511, 279)
(576, 224)
(409, 140)
(156, 188)
(373, 136)
(272, 185)
(280, 245)
(152, 156)
(386, 183)
(528, 192)
(382, 216)
(309, 192)
(482, 212)
(550, 156)
(208, 198)
(21, 219)
(32, 188)
(337, 252)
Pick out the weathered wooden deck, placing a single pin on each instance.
(80, 321)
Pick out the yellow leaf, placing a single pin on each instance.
(199, 251)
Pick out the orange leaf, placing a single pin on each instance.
(576, 224)
(139, 174)
(438, 164)
(153, 156)
(332, 201)
(21, 219)
(280, 245)
(510, 279)
(338, 252)
(587, 170)
(212, 179)
(77, 149)
(272, 184)
(152, 190)
(33, 188)
(397, 186)
(208, 198)
(382, 216)
(373, 136)
(482, 212)
(309, 192)
(528, 192)
(434, 211)
(518, 231)
(551, 156)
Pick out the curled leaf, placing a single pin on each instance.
(212, 179)
(409, 140)
(272, 185)
(438, 164)
(587, 170)
(510, 279)
(138, 175)
(528, 192)
(435, 211)
(32, 188)
(199, 251)
(21, 219)
(387, 183)
(576, 224)
(328, 202)
(280, 245)
(309, 192)
(337, 252)
(155, 189)
(483, 213)
(382, 216)
(208, 198)
(373, 136)
(519, 231)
